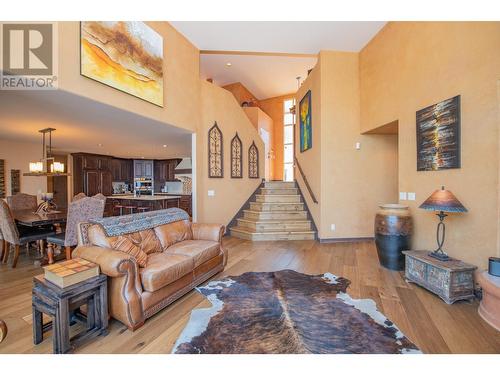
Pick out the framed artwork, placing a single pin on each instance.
(305, 121)
(215, 153)
(236, 157)
(253, 161)
(438, 136)
(126, 55)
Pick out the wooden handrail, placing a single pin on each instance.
(313, 197)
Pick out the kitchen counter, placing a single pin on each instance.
(145, 197)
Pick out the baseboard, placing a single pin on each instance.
(346, 239)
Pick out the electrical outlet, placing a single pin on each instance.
(332, 227)
(402, 196)
(411, 196)
(211, 193)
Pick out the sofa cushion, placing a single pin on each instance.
(128, 243)
(164, 268)
(171, 233)
(199, 250)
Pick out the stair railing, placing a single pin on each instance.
(304, 178)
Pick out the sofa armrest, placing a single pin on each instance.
(208, 232)
(124, 284)
(110, 261)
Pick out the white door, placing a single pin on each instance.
(264, 134)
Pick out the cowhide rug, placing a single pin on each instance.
(288, 312)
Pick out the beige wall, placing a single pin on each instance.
(411, 65)
(348, 183)
(18, 155)
(311, 160)
(180, 69)
(260, 120)
(219, 105)
(183, 108)
(274, 108)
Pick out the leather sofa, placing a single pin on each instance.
(149, 269)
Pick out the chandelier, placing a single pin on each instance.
(46, 166)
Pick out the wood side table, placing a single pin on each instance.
(59, 303)
(451, 280)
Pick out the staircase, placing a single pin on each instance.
(277, 214)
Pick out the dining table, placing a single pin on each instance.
(30, 218)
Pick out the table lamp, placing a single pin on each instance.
(442, 201)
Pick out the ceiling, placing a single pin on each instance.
(279, 36)
(266, 57)
(83, 124)
(264, 76)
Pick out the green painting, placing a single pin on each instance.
(305, 122)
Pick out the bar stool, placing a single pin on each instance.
(142, 209)
(120, 207)
(130, 208)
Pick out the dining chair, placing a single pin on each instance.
(79, 196)
(79, 211)
(17, 236)
(22, 201)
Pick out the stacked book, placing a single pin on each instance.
(70, 272)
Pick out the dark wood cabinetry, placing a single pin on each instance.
(164, 170)
(93, 174)
(122, 170)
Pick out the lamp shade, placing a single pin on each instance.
(443, 200)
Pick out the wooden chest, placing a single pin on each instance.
(451, 280)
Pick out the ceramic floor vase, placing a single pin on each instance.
(393, 229)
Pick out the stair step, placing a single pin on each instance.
(279, 184)
(279, 191)
(276, 206)
(274, 215)
(283, 198)
(249, 234)
(275, 225)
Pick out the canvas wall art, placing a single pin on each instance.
(305, 121)
(438, 136)
(125, 55)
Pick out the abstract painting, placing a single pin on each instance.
(125, 55)
(438, 136)
(305, 122)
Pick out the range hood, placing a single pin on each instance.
(184, 166)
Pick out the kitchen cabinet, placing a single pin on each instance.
(164, 170)
(143, 168)
(121, 170)
(97, 181)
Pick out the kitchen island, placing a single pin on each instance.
(152, 202)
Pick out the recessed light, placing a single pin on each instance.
(228, 64)
(99, 144)
(164, 146)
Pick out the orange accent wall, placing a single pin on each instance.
(241, 93)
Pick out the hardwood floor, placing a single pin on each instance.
(431, 324)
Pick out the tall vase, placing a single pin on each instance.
(393, 229)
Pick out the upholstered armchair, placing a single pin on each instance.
(80, 211)
(12, 235)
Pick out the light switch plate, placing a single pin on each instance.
(402, 196)
(333, 227)
(411, 196)
(211, 193)
(358, 146)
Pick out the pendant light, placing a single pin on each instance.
(46, 166)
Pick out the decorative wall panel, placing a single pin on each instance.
(236, 157)
(215, 153)
(253, 161)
